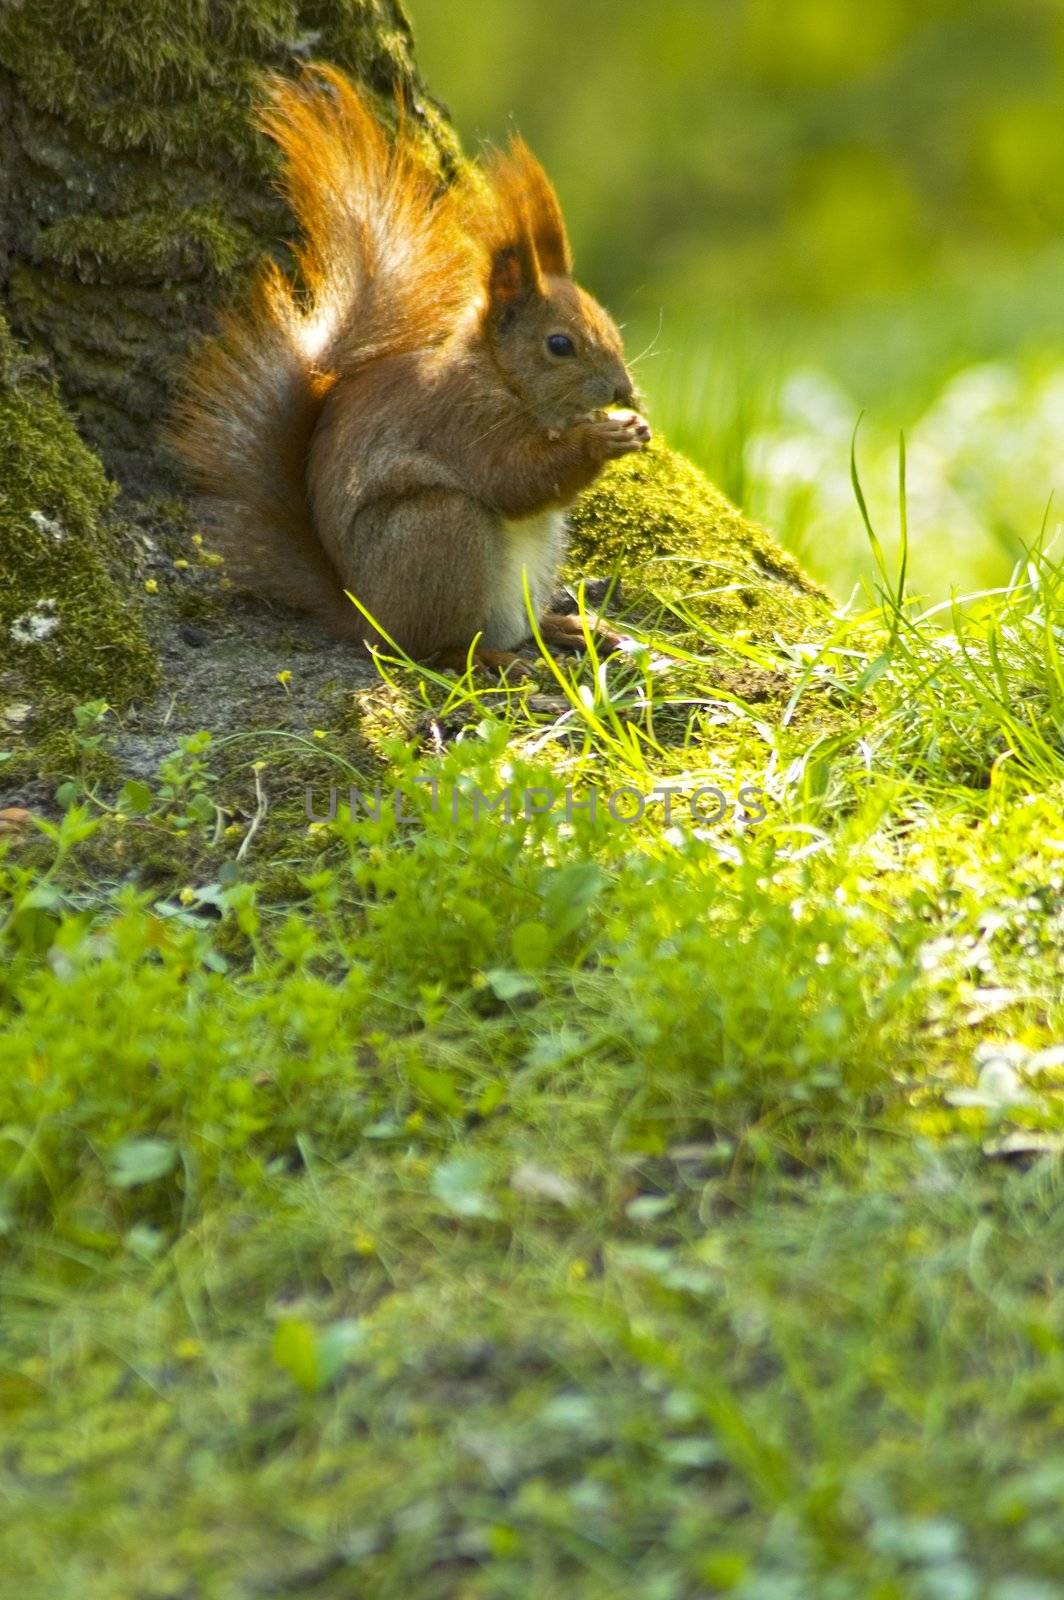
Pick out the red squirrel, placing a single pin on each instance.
(410, 417)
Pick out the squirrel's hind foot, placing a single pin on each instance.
(559, 630)
(500, 663)
(563, 630)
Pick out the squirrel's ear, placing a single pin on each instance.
(514, 273)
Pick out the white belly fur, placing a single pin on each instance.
(536, 545)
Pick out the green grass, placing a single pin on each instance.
(434, 1207)
(769, 414)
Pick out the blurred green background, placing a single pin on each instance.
(802, 210)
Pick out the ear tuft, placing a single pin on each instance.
(543, 210)
(522, 226)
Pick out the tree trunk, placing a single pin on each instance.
(137, 189)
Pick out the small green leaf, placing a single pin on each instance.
(312, 1356)
(491, 1098)
(89, 712)
(438, 1088)
(135, 797)
(337, 1343)
(74, 826)
(726, 1569)
(202, 808)
(531, 943)
(18, 1391)
(34, 929)
(568, 893)
(295, 1350)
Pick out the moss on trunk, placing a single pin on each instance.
(658, 524)
(66, 631)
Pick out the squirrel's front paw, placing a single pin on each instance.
(619, 433)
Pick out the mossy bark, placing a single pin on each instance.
(67, 632)
(138, 189)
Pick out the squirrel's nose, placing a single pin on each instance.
(623, 395)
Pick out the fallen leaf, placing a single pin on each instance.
(460, 1183)
(551, 705)
(988, 1002)
(1047, 1060)
(702, 1155)
(545, 1184)
(1024, 1144)
(648, 1207)
(1007, 1050)
(999, 1084)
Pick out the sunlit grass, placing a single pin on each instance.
(773, 429)
(444, 1201)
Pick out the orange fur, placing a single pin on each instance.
(384, 250)
(242, 427)
(386, 263)
(527, 208)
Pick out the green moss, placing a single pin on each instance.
(66, 633)
(658, 524)
(180, 244)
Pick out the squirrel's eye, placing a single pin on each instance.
(560, 344)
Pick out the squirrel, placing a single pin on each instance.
(409, 417)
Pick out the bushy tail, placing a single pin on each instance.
(385, 253)
(385, 262)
